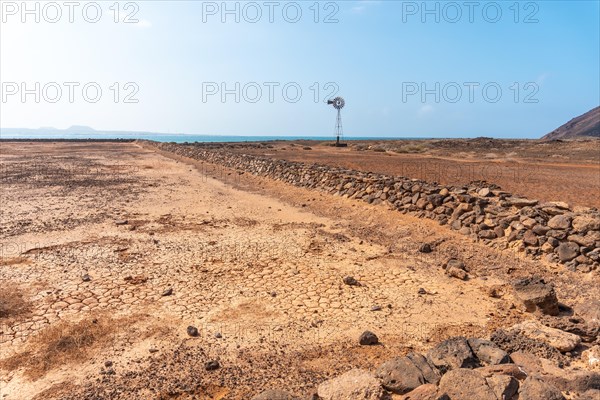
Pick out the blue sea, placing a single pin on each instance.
(177, 138)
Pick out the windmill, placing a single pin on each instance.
(338, 103)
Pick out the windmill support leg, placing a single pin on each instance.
(338, 128)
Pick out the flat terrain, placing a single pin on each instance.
(110, 251)
(545, 170)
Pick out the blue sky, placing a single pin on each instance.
(379, 54)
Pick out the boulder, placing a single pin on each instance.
(561, 341)
(488, 352)
(356, 384)
(404, 374)
(584, 223)
(400, 375)
(487, 234)
(430, 373)
(530, 238)
(503, 386)
(535, 389)
(503, 369)
(561, 222)
(567, 251)
(519, 202)
(537, 295)
(425, 392)
(574, 324)
(466, 384)
(452, 354)
(589, 311)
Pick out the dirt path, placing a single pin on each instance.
(255, 265)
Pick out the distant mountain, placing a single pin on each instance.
(80, 128)
(587, 124)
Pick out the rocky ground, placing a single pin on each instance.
(132, 274)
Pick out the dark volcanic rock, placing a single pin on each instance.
(430, 373)
(350, 281)
(192, 331)
(488, 352)
(537, 295)
(512, 342)
(425, 248)
(567, 251)
(212, 365)
(452, 354)
(400, 375)
(368, 338)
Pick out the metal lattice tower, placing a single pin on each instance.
(338, 103)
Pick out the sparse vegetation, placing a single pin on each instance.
(61, 344)
(13, 261)
(13, 303)
(410, 148)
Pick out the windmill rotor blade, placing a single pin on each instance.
(339, 103)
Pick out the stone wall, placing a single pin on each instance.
(481, 210)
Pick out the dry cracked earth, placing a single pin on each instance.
(110, 252)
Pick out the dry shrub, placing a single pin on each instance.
(13, 261)
(62, 343)
(70, 342)
(410, 148)
(13, 303)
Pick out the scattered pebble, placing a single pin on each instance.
(350, 281)
(192, 331)
(212, 365)
(368, 338)
(425, 248)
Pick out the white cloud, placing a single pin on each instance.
(425, 110)
(542, 78)
(362, 5)
(143, 23)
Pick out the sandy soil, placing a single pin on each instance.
(255, 265)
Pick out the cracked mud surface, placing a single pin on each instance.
(103, 231)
